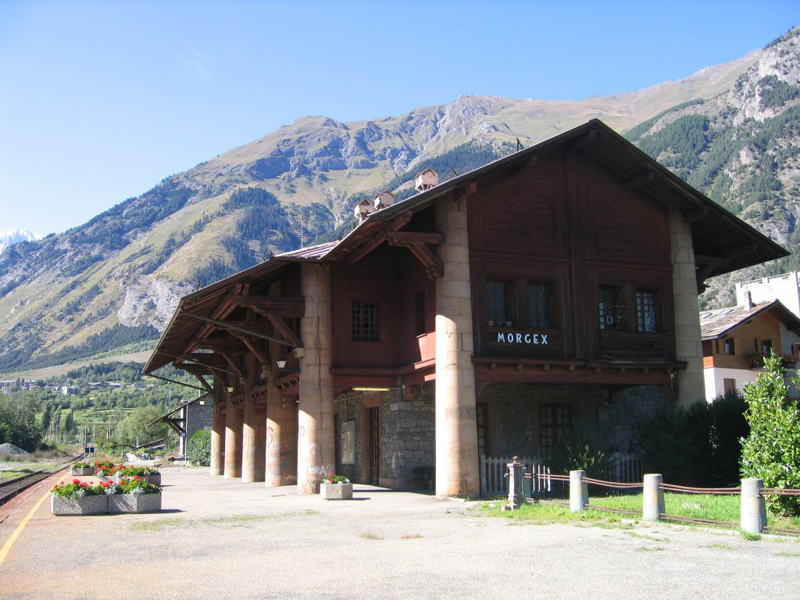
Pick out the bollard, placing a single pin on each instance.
(653, 497)
(578, 491)
(516, 495)
(753, 516)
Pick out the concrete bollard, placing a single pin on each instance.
(753, 515)
(653, 497)
(578, 491)
(516, 494)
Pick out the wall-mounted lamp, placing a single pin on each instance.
(202, 402)
(281, 364)
(230, 389)
(370, 389)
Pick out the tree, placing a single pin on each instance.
(772, 449)
(137, 427)
(198, 450)
(18, 421)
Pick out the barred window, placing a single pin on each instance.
(539, 303)
(555, 420)
(646, 311)
(365, 328)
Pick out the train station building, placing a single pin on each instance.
(487, 315)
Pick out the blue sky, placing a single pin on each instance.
(99, 101)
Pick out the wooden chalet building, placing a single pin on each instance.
(487, 314)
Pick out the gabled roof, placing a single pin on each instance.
(722, 242)
(716, 324)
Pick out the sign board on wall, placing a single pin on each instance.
(523, 339)
(348, 442)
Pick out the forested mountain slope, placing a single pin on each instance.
(113, 282)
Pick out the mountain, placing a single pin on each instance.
(15, 236)
(111, 284)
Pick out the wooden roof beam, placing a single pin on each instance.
(230, 325)
(233, 346)
(283, 328)
(741, 251)
(254, 350)
(198, 373)
(639, 181)
(400, 238)
(465, 191)
(284, 307)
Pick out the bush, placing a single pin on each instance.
(198, 450)
(582, 448)
(772, 449)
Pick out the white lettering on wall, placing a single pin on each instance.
(531, 339)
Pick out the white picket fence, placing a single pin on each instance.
(494, 473)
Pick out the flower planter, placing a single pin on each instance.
(336, 491)
(88, 505)
(154, 479)
(81, 471)
(134, 503)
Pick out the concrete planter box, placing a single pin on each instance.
(336, 491)
(81, 471)
(134, 503)
(88, 505)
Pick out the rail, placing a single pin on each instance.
(12, 487)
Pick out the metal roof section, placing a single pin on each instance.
(718, 323)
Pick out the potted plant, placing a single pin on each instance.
(336, 487)
(78, 498)
(133, 496)
(81, 469)
(149, 474)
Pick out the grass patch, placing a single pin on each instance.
(792, 554)
(720, 546)
(751, 537)
(412, 536)
(649, 549)
(370, 536)
(544, 514)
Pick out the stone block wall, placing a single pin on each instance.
(408, 438)
(199, 417)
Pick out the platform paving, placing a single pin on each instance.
(218, 538)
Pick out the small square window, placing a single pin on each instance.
(729, 346)
(365, 327)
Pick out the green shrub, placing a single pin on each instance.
(582, 448)
(198, 449)
(772, 449)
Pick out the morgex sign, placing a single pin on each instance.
(528, 339)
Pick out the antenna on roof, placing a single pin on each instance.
(519, 145)
(453, 171)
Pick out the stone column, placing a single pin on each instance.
(688, 344)
(217, 438)
(252, 446)
(316, 443)
(281, 438)
(233, 440)
(456, 426)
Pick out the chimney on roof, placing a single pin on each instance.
(748, 300)
(426, 180)
(383, 200)
(363, 210)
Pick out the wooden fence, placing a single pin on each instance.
(494, 473)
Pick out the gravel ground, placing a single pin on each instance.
(219, 538)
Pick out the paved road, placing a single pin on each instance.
(224, 539)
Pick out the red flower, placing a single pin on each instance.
(75, 481)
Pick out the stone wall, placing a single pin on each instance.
(512, 412)
(408, 438)
(199, 417)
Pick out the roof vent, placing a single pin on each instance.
(426, 180)
(383, 200)
(363, 209)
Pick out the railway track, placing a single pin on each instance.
(9, 489)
